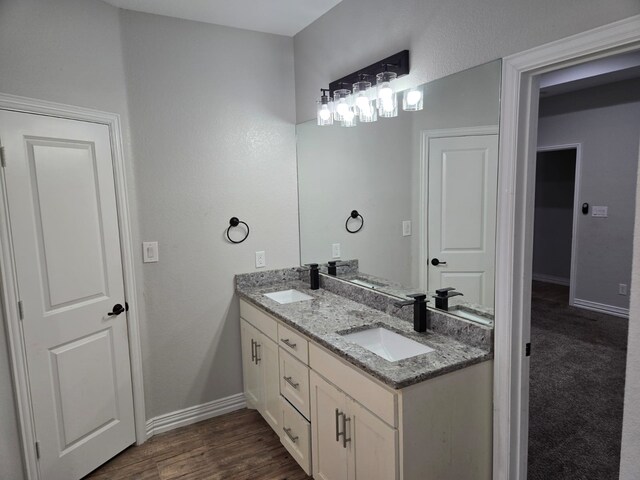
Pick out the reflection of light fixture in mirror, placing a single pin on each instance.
(349, 118)
(341, 103)
(412, 99)
(363, 101)
(325, 109)
(387, 97)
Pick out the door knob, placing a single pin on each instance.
(435, 262)
(117, 310)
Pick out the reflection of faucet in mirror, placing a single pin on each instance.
(442, 297)
(332, 267)
(421, 320)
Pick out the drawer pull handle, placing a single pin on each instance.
(291, 382)
(288, 343)
(338, 433)
(257, 357)
(291, 437)
(345, 440)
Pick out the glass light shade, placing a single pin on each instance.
(412, 100)
(324, 112)
(349, 119)
(387, 97)
(342, 104)
(364, 102)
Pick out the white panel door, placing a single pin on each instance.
(462, 215)
(250, 369)
(64, 224)
(267, 351)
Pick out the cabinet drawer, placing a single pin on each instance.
(256, 317)
(296, 435)
(294, 382)
(357, 385)
(294, 343)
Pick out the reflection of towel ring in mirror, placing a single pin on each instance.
(354, 214)
(234, 222)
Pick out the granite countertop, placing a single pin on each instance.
(327, 316)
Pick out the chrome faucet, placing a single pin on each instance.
(421, 320)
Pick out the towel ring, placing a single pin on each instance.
(234, 222)
(354, 215)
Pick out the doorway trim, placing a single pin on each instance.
(518, 136)
(423, 224)
(8, 279)
(573, 270)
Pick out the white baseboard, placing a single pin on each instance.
(542, 277)
(197, 413)
(602, 308)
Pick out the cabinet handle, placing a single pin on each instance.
(345, 440)
(253, 352)
(291, 382)
(257, 357)
(338, 433)
(291, 437)
(288, 343)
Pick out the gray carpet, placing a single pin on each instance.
(576, 389)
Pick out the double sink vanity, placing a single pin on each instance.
(354, 392)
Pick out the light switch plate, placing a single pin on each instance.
(335, 250)
(149, 252)
(261, 260)
(622, 289)
(600, 211)
(406, 228)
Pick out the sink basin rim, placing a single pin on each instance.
(387, 344)
(284, 297)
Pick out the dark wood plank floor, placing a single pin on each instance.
(235, 446)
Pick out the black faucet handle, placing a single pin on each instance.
(312, 266)
(418, 297)
(332, 263)
(442, 292)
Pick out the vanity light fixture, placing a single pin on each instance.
(349, 119)
(364, 100)
(387, 96)
(412, 100)
(325, 109)
(342, 104)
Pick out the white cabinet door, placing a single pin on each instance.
(64, 225)
(462, 215)
(267, 351)
(329, 455)
(374, 446)
(250, 369)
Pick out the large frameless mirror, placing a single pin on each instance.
(422, 188)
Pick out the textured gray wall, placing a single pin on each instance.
(444, 37)
(605, 121)
(66, 51)
(212, 114)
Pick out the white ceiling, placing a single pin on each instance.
(282, 17)
(592, 74)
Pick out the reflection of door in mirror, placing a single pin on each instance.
(461, 203)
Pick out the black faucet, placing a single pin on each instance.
(421, 320)
(442, 297)
(314, 276)
(332, 267)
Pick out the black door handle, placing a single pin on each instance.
(435, 262)
(117, 310)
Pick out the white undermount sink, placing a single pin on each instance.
(288, 296)
(387, 344)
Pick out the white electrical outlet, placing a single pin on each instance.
(406, 228)
(622, 289)
(600, 211)
(261, 260)
(149, 252)
(335, 250)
